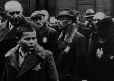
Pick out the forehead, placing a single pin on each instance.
(29, 34)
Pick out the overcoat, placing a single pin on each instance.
(49, 38)
(71, 56)
(38, 66)
(101, 59)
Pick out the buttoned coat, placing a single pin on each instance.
(38, 66)
(71, 56)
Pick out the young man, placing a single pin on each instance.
(71, 50)
(28, 61)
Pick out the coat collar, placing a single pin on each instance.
(32, 60)
(69, 35)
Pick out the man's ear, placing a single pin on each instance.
(18, 41)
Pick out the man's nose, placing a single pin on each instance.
(15, 15)
(31, 41)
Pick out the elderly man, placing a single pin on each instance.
(71, 50)
(8, 29)
(49, 35)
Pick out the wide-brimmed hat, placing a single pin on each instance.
(67, 13)
(105, 26)
(89, 13)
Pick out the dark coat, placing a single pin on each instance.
(71, 56)
(38, 66)
(49, 38)
(102, 68)
(8, 39)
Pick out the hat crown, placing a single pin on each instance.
(99, 15)
(66, 12)
(89, 13)
(105, 26)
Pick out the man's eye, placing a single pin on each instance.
(12, 13)
(34, 38)
(27, 39)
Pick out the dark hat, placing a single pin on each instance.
(67, 13)
(105, 26)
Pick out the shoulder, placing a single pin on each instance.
(3, 25)
(48, 54)
(79, 35)
(12, 51)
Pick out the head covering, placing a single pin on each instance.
(39, 13)
(67, 13)
(89, 13)
(99, 15)
(105, 26)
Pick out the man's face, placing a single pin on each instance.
(14, 16)
(28, 41)
(89, 19)
(40, 20)
(63, 22)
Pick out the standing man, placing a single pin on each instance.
(49, 35)
(101, 52)
(71, 50)
(28, 61)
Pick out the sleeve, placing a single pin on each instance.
(53, 42)
(51, 71)
(4, 76)
(81, 58)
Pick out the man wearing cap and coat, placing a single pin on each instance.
(101, 52)
(49, 35)
(71, 50)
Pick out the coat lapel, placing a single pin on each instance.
(11, 57)
(30, 62)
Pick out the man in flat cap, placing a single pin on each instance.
(49, 35)
(101, 52)
(71, 50)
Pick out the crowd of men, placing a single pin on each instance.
(61, 48)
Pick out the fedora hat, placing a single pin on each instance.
(67, 13)
(105, 26)
(89, 13)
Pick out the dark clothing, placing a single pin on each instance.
(86, 31)
(8, 39)
(38, 66)
(49, 38)
(71, 56)
(101, 68)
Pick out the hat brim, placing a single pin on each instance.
(89, 16)
(72, 17)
